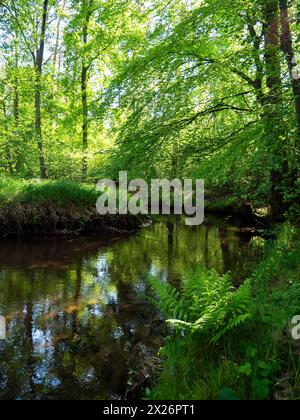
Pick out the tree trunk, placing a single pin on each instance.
(84, 74)
(38, 78)
(270, 100)
(84, 81)
(272, 106)
(16, 87)
(16, 101)
(258, 61)
(56, 48)
(7, 146)
(287, 48)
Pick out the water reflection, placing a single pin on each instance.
(76, 309)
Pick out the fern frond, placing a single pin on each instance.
(207, 303)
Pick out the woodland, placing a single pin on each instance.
(165, 89)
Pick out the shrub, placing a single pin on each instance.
(207, 303)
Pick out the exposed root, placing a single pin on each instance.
(24, 219)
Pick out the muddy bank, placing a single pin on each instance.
(27, 219)
(242, 211)
(72, 219)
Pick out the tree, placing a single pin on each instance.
(288, 49)
(32, 29)
(163, 89)
(212, 82)
(87, 12)
(92, 36)
(38, 64)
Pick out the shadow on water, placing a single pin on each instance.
(77, 311)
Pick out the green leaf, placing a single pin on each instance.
(246, 369)
(228, 394)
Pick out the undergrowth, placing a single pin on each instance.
(228, 343)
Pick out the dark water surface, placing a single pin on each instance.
(76, 309)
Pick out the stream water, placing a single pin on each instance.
(76, 309)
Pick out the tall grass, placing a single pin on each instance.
(36, 206)
(17, 191)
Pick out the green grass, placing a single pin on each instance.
(36, 192)
(255, 359)
(47, 207)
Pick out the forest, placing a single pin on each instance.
(133, 306)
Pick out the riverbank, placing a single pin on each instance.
(227, 343)
(56, 207)
(241, 210)
(60, 207)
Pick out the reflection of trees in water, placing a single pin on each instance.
(74, 327)
(28, 348)
(87, 359)
(238, 255)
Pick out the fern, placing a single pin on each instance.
(207, 303)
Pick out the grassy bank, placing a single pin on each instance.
(36, 206)
(228, 343)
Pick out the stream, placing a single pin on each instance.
(77, 311)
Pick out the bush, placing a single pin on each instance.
(207, 304)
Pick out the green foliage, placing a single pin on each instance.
(16, 191)
(194, 102)
(255, 354)
(259, 373)
(114, 28)
(165, 89)
(207, 304)
(227, 394)
(171, 89)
